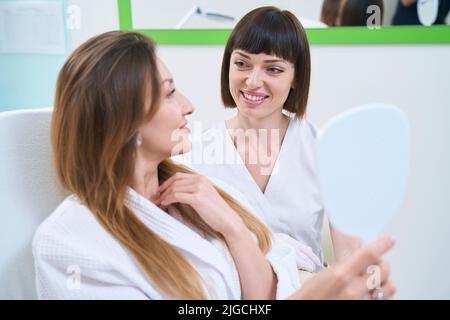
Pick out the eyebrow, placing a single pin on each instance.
(169, 80)
(265, 61)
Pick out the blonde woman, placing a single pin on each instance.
(138, 226)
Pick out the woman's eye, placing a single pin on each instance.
(240, 64)
(171, 93)
(275, 70)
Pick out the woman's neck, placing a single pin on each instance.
(275, 121)
(258, 142)
(145, 179)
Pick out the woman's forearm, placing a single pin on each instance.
(258, 280)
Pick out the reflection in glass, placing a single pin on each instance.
(337, 13)
(407, 12)
(214, 16)
(218, 14)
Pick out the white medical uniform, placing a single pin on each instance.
(291, 203)
(76, 258)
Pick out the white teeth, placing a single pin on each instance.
(253, 98)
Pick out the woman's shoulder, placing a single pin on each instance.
(66, 218)
(308, 128)
(76, 258)
(71, 228)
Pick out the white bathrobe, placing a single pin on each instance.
(291, 203)
(76, 258)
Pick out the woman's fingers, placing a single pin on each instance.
(356, 290)
(175, 177)
(178, 197)
(368, 255)
(351, 279)
(182, 185)
(380, 273)
(376, 277)
(367, 286)
(368, 271)
(189, 189)
(387, 291)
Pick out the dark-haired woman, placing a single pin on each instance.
(266, 150)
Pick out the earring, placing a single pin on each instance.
(138, 140)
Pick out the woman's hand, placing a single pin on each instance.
(257, 278)
(304, 256)
(198, 192)
(350, 278)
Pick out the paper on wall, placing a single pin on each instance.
(32, 27)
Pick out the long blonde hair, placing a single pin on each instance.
(99, 106)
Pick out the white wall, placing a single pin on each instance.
(96, 17)
(416, 78)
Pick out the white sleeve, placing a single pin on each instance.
(282, 258)
(64, 269)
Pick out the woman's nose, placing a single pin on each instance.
(188, 108)
(254, 79)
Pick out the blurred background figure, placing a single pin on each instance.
(406, 13)
(348, 12)
(330, 10)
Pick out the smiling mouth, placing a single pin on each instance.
(253, 99)
(184, 127)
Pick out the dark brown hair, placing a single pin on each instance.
(330, 12)
(349, 12)
(276, 32)
(354, 12)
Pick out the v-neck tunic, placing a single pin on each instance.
(291, 202)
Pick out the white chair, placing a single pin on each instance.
(327, 242)
(29, 192)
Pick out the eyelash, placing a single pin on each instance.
(275, 70)
(239, 64)
(171, 93)
(242, 64)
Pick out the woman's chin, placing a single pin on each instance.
(181, 148)
(186, 147)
